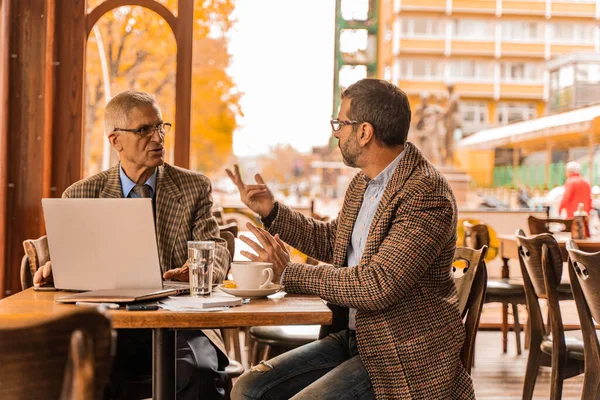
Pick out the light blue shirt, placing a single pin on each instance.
(375, 189)
(127, 184)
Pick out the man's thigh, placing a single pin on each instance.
(347, 381)
(285, 375)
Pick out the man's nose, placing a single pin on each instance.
(157, 136)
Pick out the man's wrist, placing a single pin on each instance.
(268, 220)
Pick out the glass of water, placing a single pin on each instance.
(201, 255)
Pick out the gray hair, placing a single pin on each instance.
(573, 167)
(118, 108)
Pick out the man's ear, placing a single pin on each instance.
(365, 134)
(115, 141)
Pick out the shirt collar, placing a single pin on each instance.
(384, 176)
(127, 184)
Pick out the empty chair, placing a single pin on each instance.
(548, 225)
(504, 290)
(541, 264)
(471, 288)
(36, 255)
(64, 357)
(584, 271)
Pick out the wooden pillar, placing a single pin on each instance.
(30, 109)
(183, 88)
(4, 84)
(67, 144)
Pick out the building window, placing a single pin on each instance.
(387, 73)
(352, 73)
(423, 69)
(588, 73)
(521, 72)
(473, 29)
(474, 112)
(469, 70)
(423, 27)
(353, 40)
(396, 37)
(522, 31)
(355, 10)
(513, 112)
(573, 32)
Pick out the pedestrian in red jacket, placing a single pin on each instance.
(577, 190)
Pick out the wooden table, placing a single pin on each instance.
(279, 309)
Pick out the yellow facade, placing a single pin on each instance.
(493, 52)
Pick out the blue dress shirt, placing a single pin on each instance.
(127, 184)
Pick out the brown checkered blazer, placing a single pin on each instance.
(183, 212)
(408, 327)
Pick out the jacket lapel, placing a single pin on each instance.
(112, 188)
(169, 214)
(405, 168)
(351, 207)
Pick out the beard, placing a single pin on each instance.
(350, 151)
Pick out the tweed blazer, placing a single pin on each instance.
(183, 212)
(408, 326)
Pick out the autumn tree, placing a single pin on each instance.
(140, 54)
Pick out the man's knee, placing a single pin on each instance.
(250, 384)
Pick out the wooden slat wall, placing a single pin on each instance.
(4, 57)
(30, 100)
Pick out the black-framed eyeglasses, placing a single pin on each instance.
(148, 130)
(337, 124)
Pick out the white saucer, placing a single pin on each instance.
(252, 293)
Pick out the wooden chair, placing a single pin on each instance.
(36, 255)
(537, 225)
(584, 273)
(541, 265)
(66, 357)
(471, 288)
(504, 290)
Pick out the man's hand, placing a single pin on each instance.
(271, 249)
(43, 275)
(178, 274)
(258, 197)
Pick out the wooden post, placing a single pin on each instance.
(30, 109)
(4, 83)
(183, 87)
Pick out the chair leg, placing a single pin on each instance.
(504, 327)
(527, 334)
(266, 353)
(255, 354)
(533, 365)
(237, 350)
(558, 376)
(517, 327)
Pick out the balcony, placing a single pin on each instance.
(524, 49)
(524, 7)
(423, 45)
(558, 49)
(522, 90)
(416, 86)
(474, 6)
(468, 88)
(569, 8)
(475, 47)
(429, 5)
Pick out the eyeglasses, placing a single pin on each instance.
(337, 124)
(148, 130)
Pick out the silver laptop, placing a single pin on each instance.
(103, 244)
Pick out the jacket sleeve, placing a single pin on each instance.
(312, 237)
(410, 247)
(205, 227)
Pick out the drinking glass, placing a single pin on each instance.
(201, 255)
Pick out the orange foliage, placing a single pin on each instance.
(140, 52)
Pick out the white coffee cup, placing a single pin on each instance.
(251, 275)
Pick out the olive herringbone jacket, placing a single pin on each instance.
(408, 327)
(183, 212)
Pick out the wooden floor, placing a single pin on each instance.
(500, 376)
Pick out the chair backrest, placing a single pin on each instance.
(476, 235)
(471, 288)
(541, 266)
(584, 274)
(230, 239)
(36, 255)
(231, 227)
(66, 357)
(548, 225)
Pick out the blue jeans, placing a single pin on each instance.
(329, 368)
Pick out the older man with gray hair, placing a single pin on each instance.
(182, 211)
(577, 190)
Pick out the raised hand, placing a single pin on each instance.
(43, 275)
(178, 274)
(257, 197)
(270, 249)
